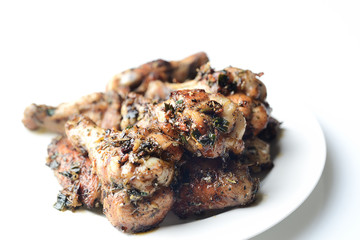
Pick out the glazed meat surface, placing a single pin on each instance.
(207, 184)
(74, 172)
(138, 79)
(102, 108)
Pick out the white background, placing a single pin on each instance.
(51, 52)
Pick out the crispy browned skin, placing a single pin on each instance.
(138, 79)
(206, 184)
(102, 108)
(72, 167)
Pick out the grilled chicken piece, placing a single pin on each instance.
(81, 186)
(207, 184)
(241, 86)
(130, 159)
(208, 125)
(102, 108)
(138, 79)
(133, 166)
(74, 172)
(139, 216)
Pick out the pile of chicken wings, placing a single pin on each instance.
(165, 136)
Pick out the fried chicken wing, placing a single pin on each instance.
(102, 108)
(206, 184)
(138, 79)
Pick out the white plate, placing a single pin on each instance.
(297, 170)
